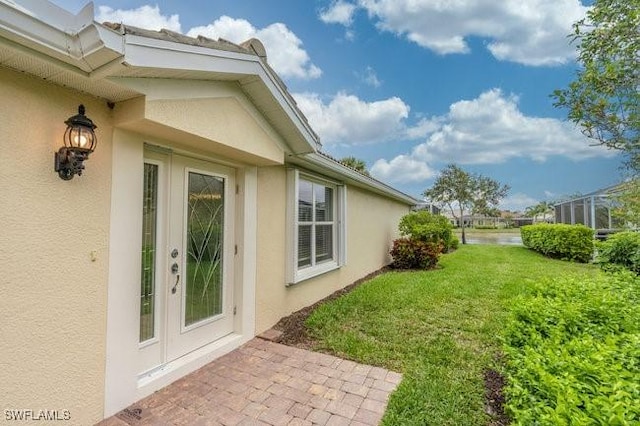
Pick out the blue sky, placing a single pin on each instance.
(409, 86)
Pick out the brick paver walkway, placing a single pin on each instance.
(266, 383)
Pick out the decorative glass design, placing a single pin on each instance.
(205, 242)
(149, 225)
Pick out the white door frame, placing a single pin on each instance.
(123, 385)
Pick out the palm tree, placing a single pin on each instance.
(355, 164)
(543, 208)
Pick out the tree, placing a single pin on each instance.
(543, 208)
(604, 98)
(355, 164)
(462, 191)
(628, 203)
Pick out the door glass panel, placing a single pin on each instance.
(149, 223)
(205, 231)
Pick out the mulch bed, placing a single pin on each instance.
(494, 383)
(295, 333)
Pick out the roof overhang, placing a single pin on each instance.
(320, 163)
(42, 39)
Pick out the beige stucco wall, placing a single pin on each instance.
(216, 117)
(53, 295)
(372, 223)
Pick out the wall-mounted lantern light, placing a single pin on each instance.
(79, 142)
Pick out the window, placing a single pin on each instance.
(316, 226)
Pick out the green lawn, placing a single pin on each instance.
(439, 328)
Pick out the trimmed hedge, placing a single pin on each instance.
(572, 346)
(559, 241)
(620, 250)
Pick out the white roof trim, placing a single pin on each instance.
(354, 177)
(50, 30)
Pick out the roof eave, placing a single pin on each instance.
(75, 40)
(332, 168)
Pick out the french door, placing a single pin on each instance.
(186, 288)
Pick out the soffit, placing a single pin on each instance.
(34, 63)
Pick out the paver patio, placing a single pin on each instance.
(266, 383)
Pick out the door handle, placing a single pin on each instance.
(174, 270)
(175, 286)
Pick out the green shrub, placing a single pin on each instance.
(427, 227)
(567, 242)
(620, 250)
(572, 351)
(410, 253)
(485, 227)
(453, 242)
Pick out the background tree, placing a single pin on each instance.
(355, 164)
(628, 203)
(604, 98)
(543, 208)
(462, 191)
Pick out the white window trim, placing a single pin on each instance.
(294, 273)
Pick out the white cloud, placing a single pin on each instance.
(339, 12)
(146, 16)
(532, 32)
(348, 120)
(370, 78)
(284, 49)
(489, 130)
(402, 168)
(517, 202)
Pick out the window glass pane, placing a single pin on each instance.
(205, 227)
(148, 281)
(305, 201)
(324, 203)
(324, 243)
(304, 246)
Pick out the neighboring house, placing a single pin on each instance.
(478, 221)
(204, 215)
(593, 209)
(522, 221)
